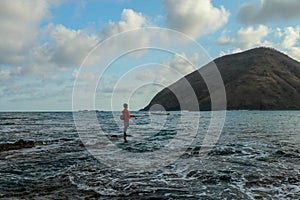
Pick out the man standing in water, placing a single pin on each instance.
(126, 116)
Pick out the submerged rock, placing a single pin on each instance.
(20, 144)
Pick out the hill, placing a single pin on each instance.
(256, 79)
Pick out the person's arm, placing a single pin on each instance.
(130, 115)
(133, 116)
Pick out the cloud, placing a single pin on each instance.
(5, 75)
(225, 39)
(47, 53)
(284, 39)
(75, 73)
(62, 49)
(250, 36)
(182, 64)
(68, 47)
(23, 45)
(19, 22)
(169, 70)
(268, 11)
(195, 18)
(246, 38)
(22, 89)
(235, 50)
(34, 90)
(292, 35)
(294, 52)
(30, 50)
(278, 32)
(129, 20)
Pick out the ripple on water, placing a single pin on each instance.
(256, 157)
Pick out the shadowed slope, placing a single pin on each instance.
(257, 79)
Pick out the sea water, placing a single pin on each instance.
(256, 156)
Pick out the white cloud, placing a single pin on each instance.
(284, 39)
(129, 20)
(19, 25)
(55, 48)
(30, 50)
(195, 18)
(246, 38)
(169, 70)
(294, 52)
(182, 64)
(19, 22)
(292, 35)
(24, 44)
(69, 47)
(75, 73)
(268, 11)
(250, 36)
(278, 32)
(235, 50)
(225, 39)
(62, 49)
(4, 75)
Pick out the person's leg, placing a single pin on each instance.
(125, 140)
(125, 130)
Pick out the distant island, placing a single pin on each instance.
(257, 79)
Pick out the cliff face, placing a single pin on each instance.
(257, 79)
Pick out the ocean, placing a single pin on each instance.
(50, 155)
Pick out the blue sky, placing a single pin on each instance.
(43, 45)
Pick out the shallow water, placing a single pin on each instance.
(256, 157)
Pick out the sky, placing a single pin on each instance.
(64, 55)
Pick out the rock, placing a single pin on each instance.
(257, 79)
(20, 144)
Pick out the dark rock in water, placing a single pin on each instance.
(20, 144)
(225, 178)
(192, 173)
(223, 151)
(257, 79)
